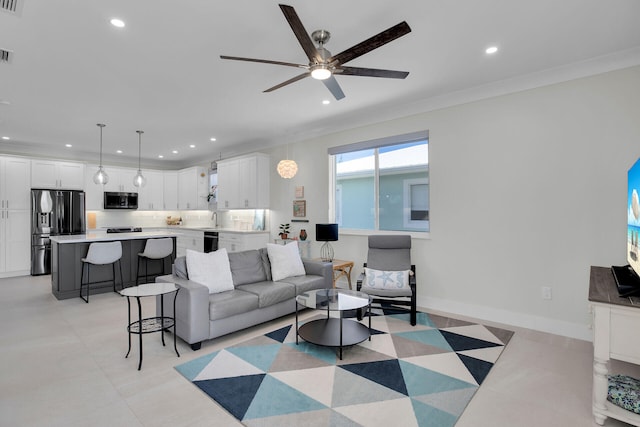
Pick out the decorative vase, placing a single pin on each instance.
(284, 236)
(303, 234)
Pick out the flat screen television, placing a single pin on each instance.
(628, 276)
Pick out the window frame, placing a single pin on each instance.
(374, 144)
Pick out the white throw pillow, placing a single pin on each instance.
(285, 261)
(390, 280)
(210, 269)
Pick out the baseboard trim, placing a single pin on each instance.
(505, 317)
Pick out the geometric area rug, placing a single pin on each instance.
(423, 375)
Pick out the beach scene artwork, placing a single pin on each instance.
(633, 214)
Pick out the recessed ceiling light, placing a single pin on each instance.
(6, 138)
(192, 146)
(160, 156)
(175, 151)
(68, 145)
(326, 102)
(212, 139)
(492, 49)
(117, 22)
(119, 151)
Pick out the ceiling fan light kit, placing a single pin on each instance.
(322, 65)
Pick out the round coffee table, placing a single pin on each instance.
(330, 331)
(151, 324)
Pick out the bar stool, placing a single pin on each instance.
(154, 249)
(101, 254)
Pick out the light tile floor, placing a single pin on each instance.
(62, 364)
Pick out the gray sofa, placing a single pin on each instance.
(256, 298)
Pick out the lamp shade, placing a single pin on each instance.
(287, 168)
(326, 232)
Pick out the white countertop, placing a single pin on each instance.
(98, 236)
(172, 231)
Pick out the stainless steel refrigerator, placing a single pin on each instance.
(53, 213)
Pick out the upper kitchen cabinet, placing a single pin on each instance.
(57, 175)
(193, 188)
(243, 182)
(15, 179)
(151, 196)
(120, 179)
(93, 198)
(170, 190)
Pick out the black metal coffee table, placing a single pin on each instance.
(331, 331)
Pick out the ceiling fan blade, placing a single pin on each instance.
(372, 72)
(264, 61)
(301, 34)
(372, 43)
(332, 84)
(293, 80)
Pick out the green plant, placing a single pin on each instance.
(284, 229)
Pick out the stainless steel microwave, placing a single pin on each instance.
(118, 200)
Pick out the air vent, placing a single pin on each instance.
(5, 56)
(13, 6)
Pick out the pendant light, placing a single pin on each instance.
(139, 180)
(100, 177)
(287, 168)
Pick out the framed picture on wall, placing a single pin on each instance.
(299, 208)
(299, 191)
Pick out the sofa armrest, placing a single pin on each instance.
(319, 268)
(192, 309)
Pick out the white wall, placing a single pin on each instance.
(528, 190)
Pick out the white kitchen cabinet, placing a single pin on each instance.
(93, 193)
(193, 185)
(151, 196)
(170, 191)
(15, 216)
(237, 242)
(243, 182)
(120, 179)
(189, 239)
(57, 175)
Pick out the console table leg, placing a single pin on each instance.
(600, 386)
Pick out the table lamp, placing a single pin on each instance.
(326, 233)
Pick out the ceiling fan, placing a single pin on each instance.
(324, 66)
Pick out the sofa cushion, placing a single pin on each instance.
(226, 304)
(285, 261)
(246, 267)
(305, 283)
(266, 265)
(180, 267)
(270, 293)
(210, 269)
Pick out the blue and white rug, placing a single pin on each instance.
(411, 376)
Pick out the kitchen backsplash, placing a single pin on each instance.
(235, 219)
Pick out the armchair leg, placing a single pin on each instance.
(414, 310)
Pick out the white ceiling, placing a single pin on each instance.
(71, 69)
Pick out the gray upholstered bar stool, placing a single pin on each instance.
(156, 249)
(101, 253)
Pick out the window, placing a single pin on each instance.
(382, 184)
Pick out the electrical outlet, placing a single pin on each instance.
(546, 292)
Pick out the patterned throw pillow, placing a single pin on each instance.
(624, 391)
(390, 280)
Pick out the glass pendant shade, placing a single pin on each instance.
(139, 180)
(287, 168)
(100, 177)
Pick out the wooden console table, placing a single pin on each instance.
(616, 322)
(340, 268)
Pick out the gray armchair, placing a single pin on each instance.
(391, 253)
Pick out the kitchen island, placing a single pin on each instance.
(66, 264)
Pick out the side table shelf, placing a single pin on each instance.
(151, 324)
(616, 321)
